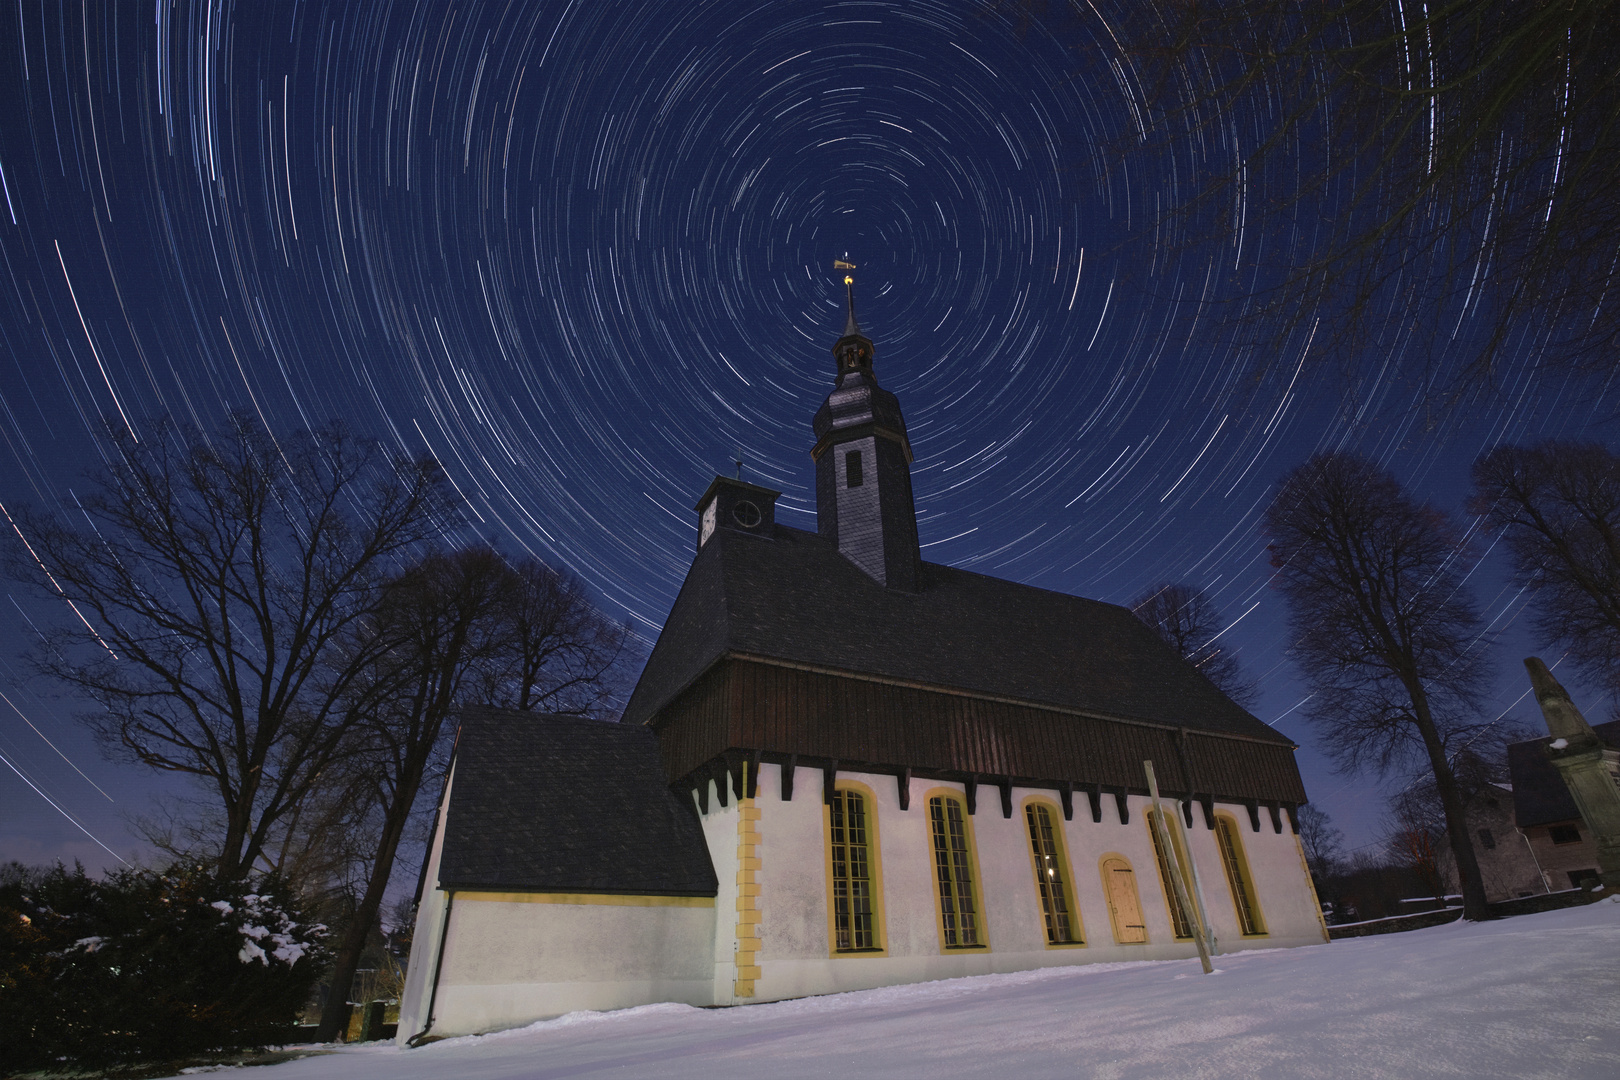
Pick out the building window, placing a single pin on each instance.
(852, 469)
(1051, 876)
(953, 873)
(1582, 879)
(1564, 834)
(854, 912)
(1179, 922)
(1487, 840)
(1124, 908)
(1238, 877)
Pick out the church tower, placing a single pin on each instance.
(863, 466)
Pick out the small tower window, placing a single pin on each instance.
(852, 469)
(746, 514)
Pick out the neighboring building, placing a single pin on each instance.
(1506, 863)
(844, 767)
(1544, 811)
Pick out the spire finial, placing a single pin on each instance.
(850, 325)
(854, 349)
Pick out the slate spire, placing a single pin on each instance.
(864, 502)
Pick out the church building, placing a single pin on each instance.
(845, 767)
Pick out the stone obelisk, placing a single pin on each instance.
(1584, 763)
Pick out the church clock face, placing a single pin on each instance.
(707, 529)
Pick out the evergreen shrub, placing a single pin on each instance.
(147, 965)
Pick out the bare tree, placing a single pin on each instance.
(1460, 158)
(1558, 506)
(562, 651)
(212, 587)
(458, 628)
(1383, 628)
(1189, 622)
(1323, 843)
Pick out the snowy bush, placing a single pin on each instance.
(147, 965)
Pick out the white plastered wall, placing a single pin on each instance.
(508, 962)
(512, 961)
(795, 958)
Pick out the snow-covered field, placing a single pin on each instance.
(1533, 996)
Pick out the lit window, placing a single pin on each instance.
(953, 871)
(1238, 876)
(1179, 922)
(855, 926)
(1051, 882)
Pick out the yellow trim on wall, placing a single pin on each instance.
(982, 924)
(604, 899)
(875, 859)
(1167, 889)
(1310, 883)
(1241, 857)
(1108, 893)
(1065, 868)
(748, 905)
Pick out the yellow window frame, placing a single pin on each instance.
(969, 855)
(1239, 878)
(1065, 874)
(874, 859)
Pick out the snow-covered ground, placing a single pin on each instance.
(1533, 996)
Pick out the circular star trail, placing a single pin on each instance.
(582, 254)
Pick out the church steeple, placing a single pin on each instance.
(854, 349)
(864, 502)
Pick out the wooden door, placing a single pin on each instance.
(1124, 908)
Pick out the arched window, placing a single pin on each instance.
(955, 874)
(851, 831)
(1058, 910)
(1124, 909)
(1179, 921)
(1238, 876)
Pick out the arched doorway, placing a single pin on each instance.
(1124, 907)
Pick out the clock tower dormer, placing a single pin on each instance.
(864, 502)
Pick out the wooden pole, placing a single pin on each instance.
(1176, 882)
(1197, 885)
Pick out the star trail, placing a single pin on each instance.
(582, 254)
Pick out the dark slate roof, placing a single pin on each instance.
(543, 803)
(794, 597)
(1539, 793)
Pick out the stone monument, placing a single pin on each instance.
(1586, 766)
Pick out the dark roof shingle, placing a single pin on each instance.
(544, 803)
(793, 597)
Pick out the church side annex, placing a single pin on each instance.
(844, 767)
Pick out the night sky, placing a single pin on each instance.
(583, 254)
